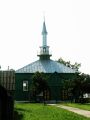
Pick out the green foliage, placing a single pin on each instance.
(81, 85)
(39, 81)
(39, 84)
(68, 64)
(44, 112)
(78, 87)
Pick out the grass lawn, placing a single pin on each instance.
(43, 112)
(77, 105)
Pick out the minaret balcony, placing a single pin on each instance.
(39, 53)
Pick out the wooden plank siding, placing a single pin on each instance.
(7, 80)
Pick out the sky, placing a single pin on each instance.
(67, 23)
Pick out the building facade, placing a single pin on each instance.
(56, 73)
(7, 80)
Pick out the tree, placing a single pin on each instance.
(39, 85)
(81, 86)
(77, 87)
(67, 89)
(86, 85)
(68, 64)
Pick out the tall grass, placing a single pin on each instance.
(43, 112)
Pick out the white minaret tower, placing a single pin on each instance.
(44, 49)
(44, 34)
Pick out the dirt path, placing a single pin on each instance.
(85, 113)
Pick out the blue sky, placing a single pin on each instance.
(68, 26)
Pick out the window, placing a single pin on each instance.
(25, 85)
(44, 49)
(47, 95)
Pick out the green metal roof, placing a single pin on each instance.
(45, 66)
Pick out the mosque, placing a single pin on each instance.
(56, 71)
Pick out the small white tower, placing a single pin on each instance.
(44, 35)
(44, 49)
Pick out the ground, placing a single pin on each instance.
(43, 112)
(78, 105)
(85, 113)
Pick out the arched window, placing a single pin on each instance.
(44, 50)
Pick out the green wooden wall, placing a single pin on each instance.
(54, 80)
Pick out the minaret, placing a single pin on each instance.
(44, 49)
(44, 34)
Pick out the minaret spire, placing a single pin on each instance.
(44, 49)
(44, 34)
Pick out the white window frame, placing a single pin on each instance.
(25, 85)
